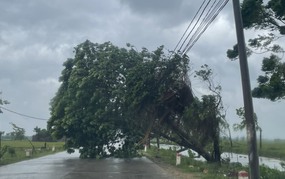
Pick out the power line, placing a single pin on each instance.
(202, 24)
(24, 115)
(195, 23)
(189, 27)
(209, 17)
(208, 20)
(211, 13)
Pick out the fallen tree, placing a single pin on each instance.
(108, 94)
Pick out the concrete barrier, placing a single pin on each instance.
(178, 158)
(28, 152)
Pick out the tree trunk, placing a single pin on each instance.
(217, 152)
(187, 144)
(157, 142)
(216, 135)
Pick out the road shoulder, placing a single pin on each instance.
(173, 171)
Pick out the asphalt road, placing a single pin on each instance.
(64, 165)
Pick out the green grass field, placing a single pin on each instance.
(17, 150)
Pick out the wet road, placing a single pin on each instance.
(66, 166)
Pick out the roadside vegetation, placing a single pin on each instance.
(199, 169)
(207, 170)
(15, 150)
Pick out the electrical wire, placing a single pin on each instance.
(207, 18)
(217, 10)
(202, 24)
(210, 16)
(195, 24)
(24, 115)
(189, 26)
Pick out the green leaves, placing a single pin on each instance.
(83, 107)
(269, 64)
(110, 95)
(242, 125)
(252, 13)
(256, 14)
(2, 102)
(278, 6)
(104, 93)
(233, 53)
(271, 85)
(259, 15)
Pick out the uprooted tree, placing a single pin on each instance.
(112, 100)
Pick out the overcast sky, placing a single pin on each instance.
(37, 36)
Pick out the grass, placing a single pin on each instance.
(16, 150)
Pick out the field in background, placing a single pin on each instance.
(22, 150)
(268, 148)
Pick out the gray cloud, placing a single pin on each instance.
(165, 13)
(154, 6)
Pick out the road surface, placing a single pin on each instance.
(68, 166)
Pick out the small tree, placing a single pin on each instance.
(212, 108)
(4, 149)
(41, 135)
(242, 125)
(18, 132)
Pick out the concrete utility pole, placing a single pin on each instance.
(248, 106)
(1, 132)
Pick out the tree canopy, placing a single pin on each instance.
(111, 100)
(268, 16)
(41, 135)
(256, 14)
(271, 85)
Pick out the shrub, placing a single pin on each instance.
(3, 151)
(11, 151)
(268, 173)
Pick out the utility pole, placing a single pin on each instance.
(247, 98)
(1, 132)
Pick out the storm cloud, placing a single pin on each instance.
(37, 36)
